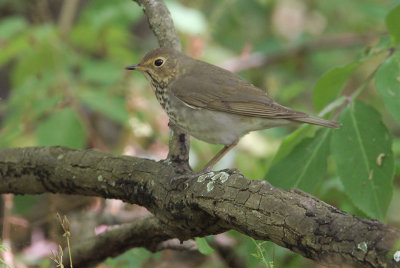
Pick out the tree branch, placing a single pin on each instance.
(229, 254)
(67, 15)
(161, 23)
(146, 232)
(209, 204)
(257, 59)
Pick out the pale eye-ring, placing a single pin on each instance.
(158, 62)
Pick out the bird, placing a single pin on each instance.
(213, 104)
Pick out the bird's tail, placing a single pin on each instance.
(317, 121)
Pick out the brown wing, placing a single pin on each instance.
(213, 88)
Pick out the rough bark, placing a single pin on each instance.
(208, 204)
(146, 232)
(161, 23)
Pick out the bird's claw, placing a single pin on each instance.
(188, 177)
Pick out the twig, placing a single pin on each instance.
(229, 254)
(161, 23)
(67, 15)
(346, 100)
(258, 59)
(175, 244)
(7, 255)
(145, 232)
(370, 76)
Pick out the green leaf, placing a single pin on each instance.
(305, 166)
(36, 62)
(84, 37)
(331, 84)
(290, 141)
(362, 151)
(387, 81)
(25, 203)
(203, 246)
(101, 72)
(100, 14)
(134, 258)
(392, 21)
(111, 106)
(14, 48)
(62, 128)
(45, 105)
(11, 26)
(26, 103)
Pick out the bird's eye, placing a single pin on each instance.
(158, 62)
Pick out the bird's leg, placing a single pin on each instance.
(210, 164)
(218, 157)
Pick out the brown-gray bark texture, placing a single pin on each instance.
(209, 204)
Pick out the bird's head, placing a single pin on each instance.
(159, 65)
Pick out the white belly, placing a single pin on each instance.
(217, 127)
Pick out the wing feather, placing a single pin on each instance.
(216, 89)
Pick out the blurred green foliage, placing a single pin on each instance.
(69, 87)
(203, 246)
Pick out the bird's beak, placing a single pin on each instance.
(133, 67)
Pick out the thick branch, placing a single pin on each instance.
(146, 232)
(207, 205)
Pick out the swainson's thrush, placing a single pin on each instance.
(213, 104)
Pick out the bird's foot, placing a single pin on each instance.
(190, 176)
(201, 175)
